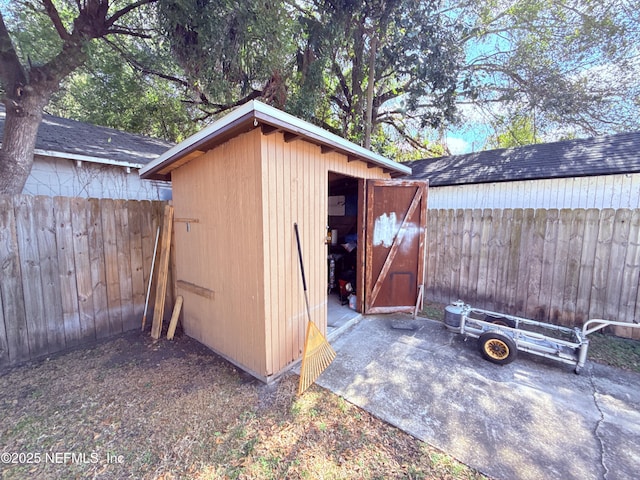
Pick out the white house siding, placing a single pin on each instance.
(67, 178)
(609, 191)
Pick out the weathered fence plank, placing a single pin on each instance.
(53, 266)
(134, 211)
(49, 272)
(98, 268)
(15, 326)
(82, 260)
(124, 265)
(629, 300)
(560, 266)
(68, 285)
(112, 275)
(30, 272)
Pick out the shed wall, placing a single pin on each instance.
(295, 189)
(222, 251)
(607, 191)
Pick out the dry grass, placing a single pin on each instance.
(128, 408)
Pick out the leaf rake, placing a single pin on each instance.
(317, 354)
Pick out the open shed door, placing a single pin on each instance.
(395, 239)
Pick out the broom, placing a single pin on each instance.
(317, 353)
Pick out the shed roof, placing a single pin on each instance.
(64, 138)
(605, 155)
(255, 114)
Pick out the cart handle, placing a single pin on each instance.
(601, 323)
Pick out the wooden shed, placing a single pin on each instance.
(239, 186)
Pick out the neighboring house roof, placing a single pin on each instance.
(606, 155)
(255, 114)
(64, 138)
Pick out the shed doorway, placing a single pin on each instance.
(343, 250)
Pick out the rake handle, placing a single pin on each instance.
(304, 280)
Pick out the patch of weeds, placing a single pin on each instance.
(615, 351)
(434, 311)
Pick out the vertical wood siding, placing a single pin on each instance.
(72, 271)
(222, 251)
(609, 191)
(562, 266)
(295, 190)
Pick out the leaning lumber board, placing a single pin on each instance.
(174, 318)
(163, 273)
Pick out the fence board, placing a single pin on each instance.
(97, 267)
(616, 263)
(82, 261)
(474, 261)
(549, 265)
(68, 285)
(601, 264)
(112, 275)
(124, 265)
(134, 211)
(53, 266)
(30, 272)
(17, 340)
(465, 254)
(49, 272)
(572, 234)
(631, 276)
(515, 238)
(524, 256)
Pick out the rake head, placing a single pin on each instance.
(316, 357)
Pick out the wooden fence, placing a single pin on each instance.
(74, 270)
(562, 266)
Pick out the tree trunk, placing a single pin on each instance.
(18, 145)
(368, 120)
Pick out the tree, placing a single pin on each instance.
(28, 83)
(514, 132)
(570, 64)
(385, 61)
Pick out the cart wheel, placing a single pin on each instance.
(577, 370)
(502, 321)
(497, 348)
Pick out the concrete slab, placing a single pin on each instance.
(532, 419)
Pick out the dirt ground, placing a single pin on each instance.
(129, 408)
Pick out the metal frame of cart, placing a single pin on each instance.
(500, 336)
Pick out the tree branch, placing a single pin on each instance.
(122, 12)
(53, 14)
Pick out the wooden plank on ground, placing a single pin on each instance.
(163, 272)
(112, 276)
(66, 264)
(97, 267)
(174, 318)
(31, 281)
(83, 268)
(17, 341)
(49, 272)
